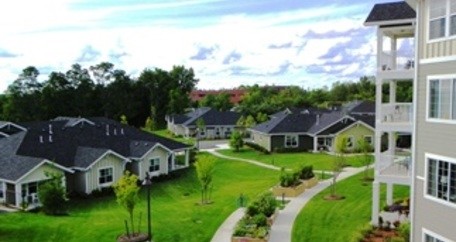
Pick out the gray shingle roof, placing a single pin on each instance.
(85, 156)
(209, 115)
(394, 11)
(318, 123)
(12, 166)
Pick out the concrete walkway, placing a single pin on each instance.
(282, 227)
(281, 230)
(226, 229)
(257, 163)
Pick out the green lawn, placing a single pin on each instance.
(169, 135)
(319, 161)
(323, 220)
(175, 213)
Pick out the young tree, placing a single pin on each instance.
(365, 148)
(149, 125)
(52, 194)
(236, 141)
(123, 119)
(339, 161)
(126, 190)
(205, 169)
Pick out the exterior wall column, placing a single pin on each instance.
(375, 202)
(315, 148)
(18, 194)
(393, 44)
(392, 92)
(391, 144)
(389, 193)
(187, 157)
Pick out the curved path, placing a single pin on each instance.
(281, 230)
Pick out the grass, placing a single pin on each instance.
(167, 134)
(319, 161)
(322, 220)
(176, 216)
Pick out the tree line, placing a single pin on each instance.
(103, 90)
(100, 90)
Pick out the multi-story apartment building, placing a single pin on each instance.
(433, 179)
(395, 24)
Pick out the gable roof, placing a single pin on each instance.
(14, 166)
(319, 122)
(76, 145)
(210, 116)
(390, 12)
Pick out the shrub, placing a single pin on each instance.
(264, 204)
(257, 147)
(396, 239)
(289, 179)
(52, 195)
(260, 220)
(307, 172)
(404, 231)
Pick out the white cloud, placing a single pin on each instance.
(148, 46)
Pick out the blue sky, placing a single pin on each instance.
(307, 43)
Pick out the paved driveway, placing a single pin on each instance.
(211, 144)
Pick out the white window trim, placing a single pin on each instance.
(291, 146)
(428, 156)
(352, 143)
(149, 165)
(447, 24)
(428, 96)
(371, 137)
(106, 184)
(425, 231)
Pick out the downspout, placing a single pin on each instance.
(415, 105)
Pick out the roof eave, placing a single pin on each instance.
(391, 22)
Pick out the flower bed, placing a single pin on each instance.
(258, 218)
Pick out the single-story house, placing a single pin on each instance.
(315, 130)
(217, 124)
(91, 153)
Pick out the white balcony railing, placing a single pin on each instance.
(393, 61)
(396, 165)
(397, 112)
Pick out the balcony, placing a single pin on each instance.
(397, 113)
(393, 65)
(395, 168)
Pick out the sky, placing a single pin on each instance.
(307, 43)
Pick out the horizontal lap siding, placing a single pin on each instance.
(435, 138)
(440, 49)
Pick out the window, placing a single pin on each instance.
(1, 190)
(432, 237)
(350, 141)
(105, 175)
(442, 19)
(368, 139)
(291, 141)
(154, 164)
(441, 180)
(442, 99)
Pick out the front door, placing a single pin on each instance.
(10, 194)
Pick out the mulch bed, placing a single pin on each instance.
(380, 235)
(133, 238)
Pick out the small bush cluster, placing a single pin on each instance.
(257, 147)
(287, 150)
(290, 179)
(255, 221)
(306, 172)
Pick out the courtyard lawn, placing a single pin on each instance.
(319, 161)
(176, 216)
(322, 220)
(169, 135)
